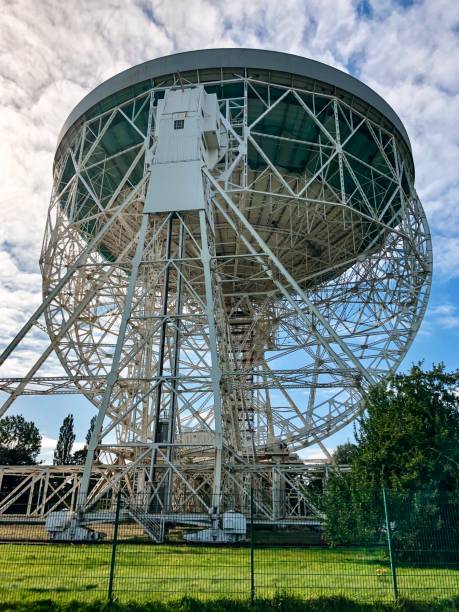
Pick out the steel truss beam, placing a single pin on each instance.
(35, 492)
(217, 343)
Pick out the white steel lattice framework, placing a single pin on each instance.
(217, 340)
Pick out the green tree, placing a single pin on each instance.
(337, 504)
(79, 456)
(344, 454)
(407, 442)
(408, 436)
(63, 452)
(20, 441)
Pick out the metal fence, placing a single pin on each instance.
(379, 546)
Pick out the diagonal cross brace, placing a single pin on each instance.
(291, 281)
(71, 270)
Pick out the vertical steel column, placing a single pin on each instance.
(215, 368)
(276, 483)
(176, 361)
(162, 344)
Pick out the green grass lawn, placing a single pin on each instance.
(143, 572)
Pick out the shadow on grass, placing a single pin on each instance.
(275, 604)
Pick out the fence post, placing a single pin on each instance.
(115, 542)
(389, 546)
(252, 558)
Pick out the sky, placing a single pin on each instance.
(52, 53)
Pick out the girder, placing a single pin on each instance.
(221, 337)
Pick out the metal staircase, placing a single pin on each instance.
(152, 526)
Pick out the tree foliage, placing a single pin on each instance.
(408, 443)
(408, 437)
(344, 454)
(79, 456)
(20, 441)
(63, 453)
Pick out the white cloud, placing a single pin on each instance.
(315, 452)
(48, 445)
(445, 315)
(446, 254)
(52, 53)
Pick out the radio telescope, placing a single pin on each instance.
(234, 252)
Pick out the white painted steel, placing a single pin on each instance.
(222, 313)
